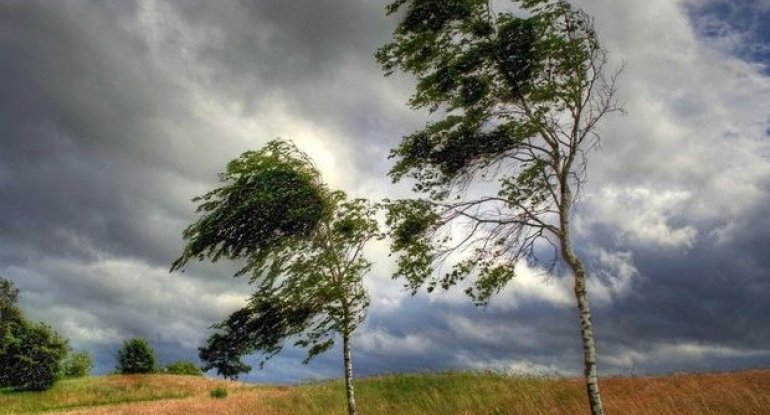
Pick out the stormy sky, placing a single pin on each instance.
(114, 114)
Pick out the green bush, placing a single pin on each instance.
(77, 365)
(218, 393)
(136, 356)
(30, 356)
(183, 367)
(30, 353)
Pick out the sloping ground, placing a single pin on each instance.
(242, 401)
(127, 394)
(745, 392)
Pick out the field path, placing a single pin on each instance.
(248, 401)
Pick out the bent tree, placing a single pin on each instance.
(515, 104)
(301, 245)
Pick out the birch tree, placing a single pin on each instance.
(515, 100)
(300, 243)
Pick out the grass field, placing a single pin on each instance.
(409, 394)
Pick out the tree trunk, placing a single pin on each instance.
(586, 330)
(584, 312)
(348, 372)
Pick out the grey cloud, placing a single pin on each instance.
(312, 54)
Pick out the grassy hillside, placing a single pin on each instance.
(468, 393)
(107, 391)
(448, 393)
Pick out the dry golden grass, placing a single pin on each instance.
(736, 393)
(241, 401)
(744, 393)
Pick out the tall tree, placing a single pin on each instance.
(303, 248)
(516, 101)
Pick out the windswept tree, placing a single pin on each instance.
(516, 100)
(301, 245)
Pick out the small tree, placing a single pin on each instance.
(303, 247)
(77, 365)
(30, 353)
(9, 295)
(520, 99)
(136, 356)
(183, 367)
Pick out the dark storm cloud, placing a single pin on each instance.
(80, 158)
(711, 295)
(94, 187)
(112, 116)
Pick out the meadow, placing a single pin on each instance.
(746, 392)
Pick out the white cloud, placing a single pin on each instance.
(677, 354)
(642, 215)
(691, 153)
(379, 341)
(615, 273)
(522, 367)
(123, 298)
(534, 285)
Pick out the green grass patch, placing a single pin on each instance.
(218, 393)
(85, 392)
(417, 394)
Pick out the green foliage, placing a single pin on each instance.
(8, 294)
(30, 353)
(77, 365)
(538, 62)
(135, 356)
(183, 367)
(31, 357)
(271, 199)
(302, 244)
(218, 393)
(515, 102)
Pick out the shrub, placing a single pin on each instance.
(30, 356)
(183, 367)
(136, 356)
(77, 365)
(218, 393)
(30, 353)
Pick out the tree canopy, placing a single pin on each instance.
(272, 199)
(135, 356)
(520, 98)
(302, 244)
(516, 97)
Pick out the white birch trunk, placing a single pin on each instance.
(584, 312)
(348, 361)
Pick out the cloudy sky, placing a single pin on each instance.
(114, 114)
